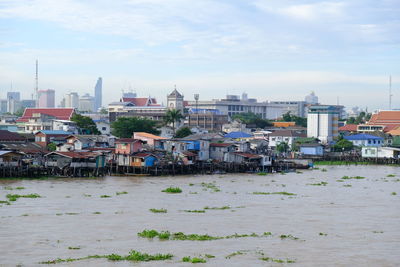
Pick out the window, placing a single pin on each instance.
(103, 128)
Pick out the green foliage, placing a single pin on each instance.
(124, 127)
(19, 112)
(132, 256)
(217, 208)
(195, 211)
(103, 111)
(300, 121)
(172, 190)
(343, 145)
(183, 132)
(51, 147)
(251, 119)
(158, 210)
(193, 260)
(361, 118)
(121, 193)
(282, 147)
(14, 197)
(173, 116)
(86, 124)
(277, 260)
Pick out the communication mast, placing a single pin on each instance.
(37, 85)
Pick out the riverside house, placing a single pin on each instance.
(125, 148)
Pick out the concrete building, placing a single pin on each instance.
(211, 120)
(72, 100)
(365, 140)
(233, 105)
(322, 122)
(3, 106)
(28, 103)
(175, 101)
(98, 94)
(86, 103)
(46, 98)
(311, 99)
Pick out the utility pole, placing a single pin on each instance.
(37, 85)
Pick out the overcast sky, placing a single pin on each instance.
(273, 50)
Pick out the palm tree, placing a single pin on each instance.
(173, 116)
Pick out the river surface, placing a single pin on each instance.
(350, 222)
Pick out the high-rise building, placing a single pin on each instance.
(28, 103)
(322, 122)
(98, 94)
(14, 95)
(46, 98)
(86, 103)
(72, 100)
(3, 105)
(311, 99)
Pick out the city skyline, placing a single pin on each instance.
(273, 50)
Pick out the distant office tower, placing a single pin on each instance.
(13, 101)
(98, 94)
(86, 103)
(46, 98)
(72, 100)
(3, 105)
(14, 95)
(311, 99)
(28, 103)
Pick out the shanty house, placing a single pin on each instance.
(143, 159)
(75, 159)
(10, 158)
(154, 141)
(220, 151)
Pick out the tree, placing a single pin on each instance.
(282, 147)
(124, 127)
(183, 132)
(86, 124)
(361, 118)
(103, 111)
(173, 116)
(343, 145)
(300, 121)
(19, 112)
(51, 147)
(249, 118)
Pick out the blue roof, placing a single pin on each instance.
(362, 137)
(237, 135)
(55, 132)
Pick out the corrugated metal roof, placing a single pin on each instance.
(55, 132)
(362, 137)
(237, 135)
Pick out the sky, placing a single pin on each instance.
(344, 51)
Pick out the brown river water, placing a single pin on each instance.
(359, 218)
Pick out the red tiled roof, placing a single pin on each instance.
(7, 136)
(248, 155)
(385, 117)
(221, 144)
(390, 127)
(59, 113)
(141, 101)
(349, 128)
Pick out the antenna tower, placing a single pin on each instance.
(37, 85)
(390, 92)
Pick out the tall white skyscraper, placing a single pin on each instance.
(72, 100)
(98, 94)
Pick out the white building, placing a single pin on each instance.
(380, 152)
(322, 122)
(86, 103)
(284, 136)
(175, 101)
(103, 126)
(311, 99)
(72, 100)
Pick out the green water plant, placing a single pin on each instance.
(133, 255)
(320, 184)
(195, 211)
(288, 237)
(217, 208)
(277, 260)
(14, 197)
(172, 190)
(105, 196)
(158, 210)
(193, 260)
(121, 193)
